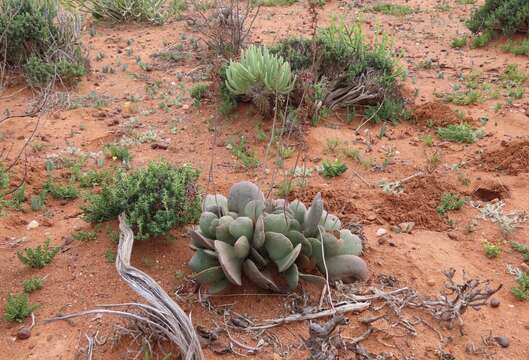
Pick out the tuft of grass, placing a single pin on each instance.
(274, 2)
(390, 110)
(333, 168)
(492, 250)
(461, 133)
(117, 152)
(62, 192)
(521, 292)
(39, 257)
(392, 9)
(459, 42)
(449, 202)
(110, 256)
(427, 140)
(33, 284)
(522, 249)
(18, 307)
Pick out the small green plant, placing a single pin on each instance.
(461, 133)
(459, 42)
(285, 152)
(62, 192)
(492, 250)
(333, 168)
(198, 92)
(522, 249)
(521, 292)
(39, 257)
(274, 2)
(94, 178)
(390, 110)
(155, 199)
(517, 47)
(117, 152)
(449, 202)
(32, 284)
(427, 140)
(18, 307)
(242, 152)
(83, 235)
(393, 9)
(110, 256)
(259, 75)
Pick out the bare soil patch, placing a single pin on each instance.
(418, 204)
(512, 158)
(437, 114)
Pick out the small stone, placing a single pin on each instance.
(494, 302)
(406, 227)
(23, 333)
(453, 235)
(430, 282)
(524, 267)
(33, 224)
(503, 341)
(381, 240)
(381, 232)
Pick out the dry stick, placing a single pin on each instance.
(369, 119)
(163, 313)
(340, 309)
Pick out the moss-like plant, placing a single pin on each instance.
(18, 307)
(259, 75)
(246, 235)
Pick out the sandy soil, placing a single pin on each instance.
(80, 277)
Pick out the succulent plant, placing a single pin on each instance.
(262, 240)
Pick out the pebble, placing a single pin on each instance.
(381, 232)
(32, 225)
(494, 302)
(430, 282)
(24, 333)
(503, 341)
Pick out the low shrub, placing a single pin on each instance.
(39, 257)
(449, 202)
(18, 307)
(393, 9)
(499, 16)
(155, 199)
(333, 168)
(461, 133)
(33, 284)
(43, 40)
(517, 47)
(521, 292)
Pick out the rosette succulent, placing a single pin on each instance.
(268, 242)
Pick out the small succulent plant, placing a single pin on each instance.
(244, 234)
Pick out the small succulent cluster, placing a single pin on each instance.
(244, 234)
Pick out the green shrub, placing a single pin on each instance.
(521, 292)
(505, 16)
(459, 43)
(42, 39)
(198, 92)
(61, 192)
(117, 152)
(155, 199)
(32, 284)
(18, 307)
(520, 47)
(274, 2)
(461, 133)
(449, 202)
(492, 250)
(333, 168)
(38, 257)
(148, 11)
(389, 110)
(245, 155)
(84, 235)
(521, 248)
(393, 9)
(94, 178)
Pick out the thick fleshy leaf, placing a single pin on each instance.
(287, 261)
(292, 276)
(277, 223)
(206, 224)
(254, 209)
(200, 241)
(352, 244)
(299, 210)
(277, 245)
(259, 234)
(242, 226)
(241, 194)
(210, 275)
(257, 257)
(222, 232)
(313, 216)
(202, 260)
(257, 277)
(330, 222)
(242, 247)
(229, 261)
(315, 279)
(298, 238)
(317, 251)
(218, 286)
(346, 268)
(217, 204)
(331, 245)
